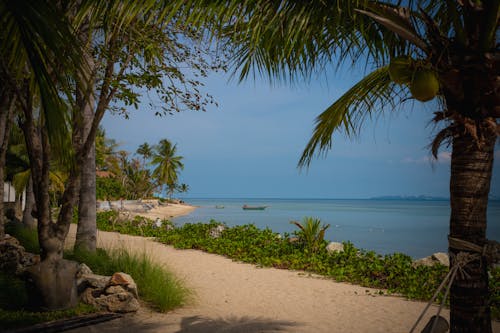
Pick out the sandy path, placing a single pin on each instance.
(235, 297)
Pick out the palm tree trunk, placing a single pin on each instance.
(471, 170)
(28, 220)
(6, 116)
(86, 234)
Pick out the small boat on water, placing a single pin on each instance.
(219, 206)
(247, 207)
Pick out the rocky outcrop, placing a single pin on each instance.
(437, 258)
(333, 247)
(116, 293)
(14, 258)
(217, 231)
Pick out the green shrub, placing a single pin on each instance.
(26, 236)
(158, 287)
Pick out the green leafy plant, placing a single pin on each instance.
(311, 233)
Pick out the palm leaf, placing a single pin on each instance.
(349, 111)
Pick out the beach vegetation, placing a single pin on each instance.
(311, 233)
(167, 166)
(159, 288)
(395, 273)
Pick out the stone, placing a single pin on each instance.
(83, 269)
(94, 281)
(436, 258)
(442, 258)
(14, 258)
(124, 280)
(122, 302)
(334, 247)
(217, 231)
(116, 293)
(114, 290)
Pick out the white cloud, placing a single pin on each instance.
(443, 157)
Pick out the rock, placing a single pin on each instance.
(117, 293)
(436, 258)
(83, 269)
(124, 280)
(157, 223)
(14, 258)
(122, 302)
(333, 247)
(92, 281)
(217, 231)
(442, 258)
(114, 290)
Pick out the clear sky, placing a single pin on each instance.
(249, 146)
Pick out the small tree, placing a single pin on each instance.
(167, 165)
(311, 233)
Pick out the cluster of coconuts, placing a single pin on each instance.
(423, 82)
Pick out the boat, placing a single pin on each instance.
(219, 206)
(247, 207)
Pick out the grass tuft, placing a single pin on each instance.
(156, 286)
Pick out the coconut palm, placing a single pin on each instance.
(167, 165)
(145, 151)
(414, 50)
(312, 233)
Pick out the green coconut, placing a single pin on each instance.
(425, 85)
(400, 70)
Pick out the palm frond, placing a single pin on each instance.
(369, 95)
(20, 180)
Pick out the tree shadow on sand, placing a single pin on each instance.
(197, 324)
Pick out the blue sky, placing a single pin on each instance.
(250, 144)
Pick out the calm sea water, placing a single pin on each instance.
(416, 228)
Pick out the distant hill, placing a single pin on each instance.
(410, 197)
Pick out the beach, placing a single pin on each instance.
(234, 297)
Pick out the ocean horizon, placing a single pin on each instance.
(416, 226)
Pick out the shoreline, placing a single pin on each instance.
(152, 209)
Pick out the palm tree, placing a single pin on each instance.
(167, 165)
(415, 49)
(145, 151)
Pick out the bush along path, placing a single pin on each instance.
(394, 273)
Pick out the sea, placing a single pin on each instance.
(417, 228)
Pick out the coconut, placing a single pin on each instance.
(400, 70)
(425, 85)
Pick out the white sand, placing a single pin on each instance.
(235, 297)
(168, 211)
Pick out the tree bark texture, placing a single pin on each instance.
(86, 234)
(28, 220)
(471, 170)
(6, 117)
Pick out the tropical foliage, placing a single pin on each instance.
(167, 165)
(311, 233)
(453, 57)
